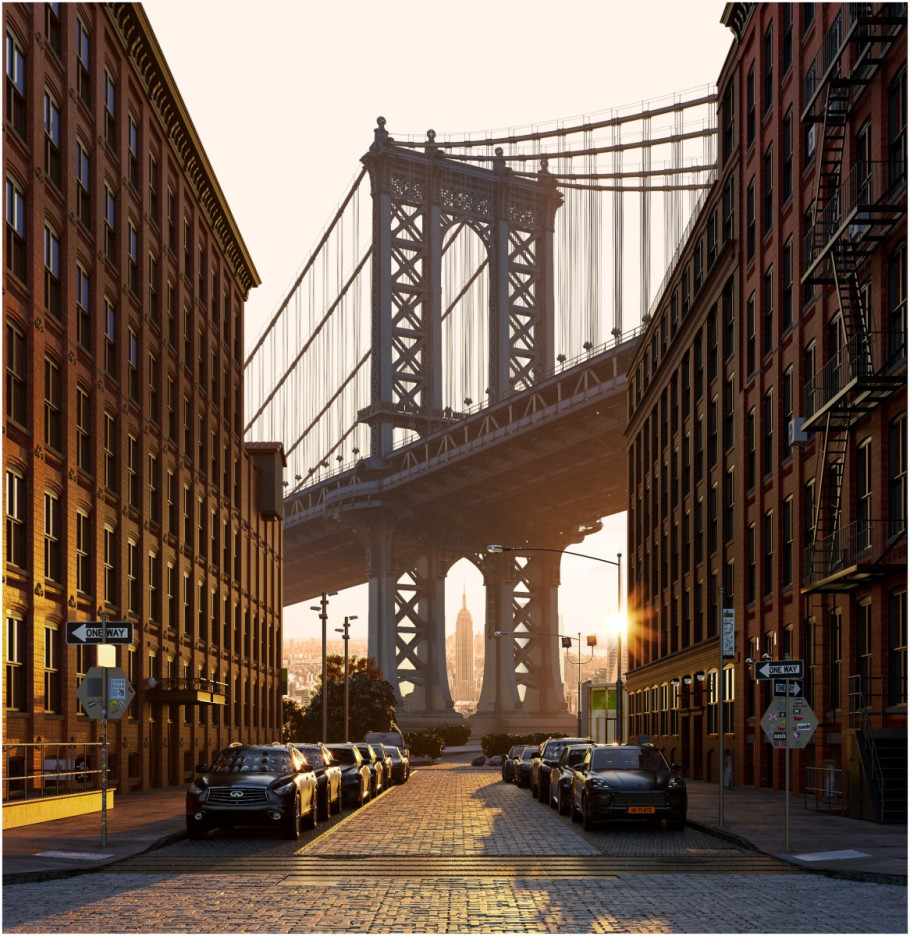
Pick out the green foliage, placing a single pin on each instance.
(424, 743)
(292, 719)
(371, 703)
(500, 742)
(453, 735)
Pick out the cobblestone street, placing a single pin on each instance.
(455, 850)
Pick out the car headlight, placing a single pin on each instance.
(284, 788)
(676, 784)
(599, 783)
(197, 789)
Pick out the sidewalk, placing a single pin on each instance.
(819, 842)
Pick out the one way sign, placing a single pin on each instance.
(97, 632)
(779, 669)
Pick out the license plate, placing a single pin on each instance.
(639, 810)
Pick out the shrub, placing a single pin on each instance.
(500, 742)
(453, 735)
(424, 743)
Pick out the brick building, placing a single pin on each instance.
(768, 403)
(129, 489)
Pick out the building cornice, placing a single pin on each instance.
(736, 18)
(148, 61)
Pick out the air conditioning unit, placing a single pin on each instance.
(796, 435)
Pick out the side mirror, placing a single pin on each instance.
(201, 768)
(676, 768)
(306, 768)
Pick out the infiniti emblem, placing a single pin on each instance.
(237, 794)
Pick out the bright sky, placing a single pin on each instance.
(285, 94)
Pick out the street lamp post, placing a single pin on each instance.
(618, 563)
(346, 637)
(323, 609)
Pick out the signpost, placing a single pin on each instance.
(789, 722)
(99, 632)
(105, 693)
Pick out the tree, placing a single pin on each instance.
(371, 702)
(292, 719)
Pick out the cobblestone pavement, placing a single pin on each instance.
(455, 851)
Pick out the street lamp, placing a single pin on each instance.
(346, 637)
(618, 563)
(566, 642)
(323, 609)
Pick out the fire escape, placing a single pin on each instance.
(856, 207)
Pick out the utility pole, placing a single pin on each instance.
(344, 631)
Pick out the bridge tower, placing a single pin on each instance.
(420, 194)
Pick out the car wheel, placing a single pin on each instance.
(576, 815)
(325, 806)
(195, 830)
(337, 809)
(292, 824)
(587, 818)
(543, 793)
(676, 825)
(313, 817)
(533, 790)
(562, 806)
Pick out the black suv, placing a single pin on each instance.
(545, 761)
(253, 784)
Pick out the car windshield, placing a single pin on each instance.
(344, 755)
(366, 751)
(575, 756)
(528, 753)
(245, 760)
(627, 759)
(313, 755)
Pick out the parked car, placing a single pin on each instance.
(253, 784)
(561, 777)
(382, 753)
(523, 765)
(393, 737)
(371, 759)
(328, 776)
(545, 761)
(629, 782)
(401, 764)
(355, 774)
(508, 763)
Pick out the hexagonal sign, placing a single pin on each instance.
(91, 692)
(802, 723)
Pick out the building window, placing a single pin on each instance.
(110, 225)
(110, 451)
(16, 644)
(897, 307)
(786, 407)
(750, 335)
(729, 501)
(154, 183)
(729, 113)
(750, 564)
(864, 495)
(729, 201)
(52, 290)
(83, 85)
(897, 647)
(154, 587)
(132, 144)
(171, 221)
(187, 249)
(897, 476)
(84, 551)
(787, 309)
(768, 452)
(110, 346)
(750, 449)
(15, 230)
(171, 403)
(132, 577)
(15, 85)
(154, 398)
(53, 400)
(83, 307)
(132, 471)
(750, 222)
(171, 587)
(109, 556)
(786, 533)
(768, 180)
(154, 482)
(729, 404)
(187, 515)
(809, 511)
(768, 545)
(53, 683)
(750, 106)
(110, 119)
(786, 182)
(51, 139)
(769, 68)
(16, 374)
(83, 185)
(16, 519)
(171, 495)
(786, 60)
(769, 336)
(897, 129)
(132, 362)
(83, 429)
(154, 286)
(132, 249)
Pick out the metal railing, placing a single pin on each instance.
(47, 768)
(824, 789)
(862, 356)
(198, 684)
(861, 543)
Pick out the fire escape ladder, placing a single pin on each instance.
(855, 315)
(830, 154)
(830, 479)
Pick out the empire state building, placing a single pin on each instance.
(464, 654)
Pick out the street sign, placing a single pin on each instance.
(728, 617)
(97, 632)
(794, 733)
(795, 688)
(119, 692)
(779, 669)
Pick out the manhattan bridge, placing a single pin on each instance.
(448, 371)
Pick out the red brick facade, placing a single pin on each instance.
(129, 489)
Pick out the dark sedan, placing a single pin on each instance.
(376, 765)
(508, 763)
(401, 764)
(355, 774)
(328, 776)
(523, 765)
(630, 782)
(545, 761)
(253, 784)
(561, 777)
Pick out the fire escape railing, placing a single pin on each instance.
(861, 544)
